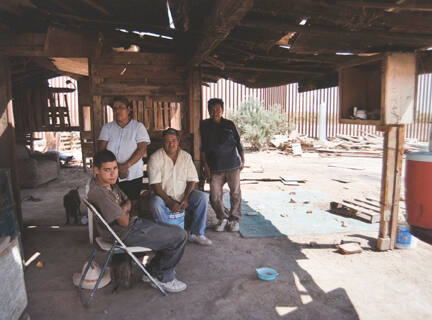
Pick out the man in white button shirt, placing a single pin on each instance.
(172, 177)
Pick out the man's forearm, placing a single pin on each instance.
(242, 156)
(137, 155)
(189, 188)
(157, 188)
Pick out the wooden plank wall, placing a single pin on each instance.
(155, 83)
(7, 133)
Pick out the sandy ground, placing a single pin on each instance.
(314, 283)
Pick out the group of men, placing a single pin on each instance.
(172, 179)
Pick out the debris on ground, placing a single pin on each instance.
(360, 209)
(40, 264)
(313, 244)
(292, 201)
(34, 199)
(349, 248)
(366, 145)
(341, 180)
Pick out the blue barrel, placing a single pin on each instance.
(177, 218)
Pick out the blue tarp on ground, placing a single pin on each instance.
(278, 216)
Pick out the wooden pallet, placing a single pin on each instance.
(360, 209)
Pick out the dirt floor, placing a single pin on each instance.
(315, 282)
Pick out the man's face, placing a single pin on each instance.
(171, 144)
(107, 173)
(121, 111)
(216, 112)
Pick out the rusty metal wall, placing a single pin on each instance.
(303, 108)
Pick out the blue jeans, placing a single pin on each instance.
(197, 209)
(167, 240)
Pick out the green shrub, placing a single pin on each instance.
(256, 125)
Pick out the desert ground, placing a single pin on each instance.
(315, 281)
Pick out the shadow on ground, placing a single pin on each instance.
(221, 283)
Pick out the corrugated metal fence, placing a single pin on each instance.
(303, 108)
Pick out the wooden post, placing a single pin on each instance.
(194, 81)
(390, 185)
(97, 106)
(7, 134)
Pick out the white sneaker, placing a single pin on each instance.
(233, 226)
(171, 286)
(202, 240)
(221, 225)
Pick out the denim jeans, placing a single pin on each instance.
(167, 240)
(197, 209)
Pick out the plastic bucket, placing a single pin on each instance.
(404, 239)
(177, 218)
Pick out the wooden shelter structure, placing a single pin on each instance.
(159, 53)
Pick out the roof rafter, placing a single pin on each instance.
(225, 15)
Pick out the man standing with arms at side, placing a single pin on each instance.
(172, 178)
(223, 158)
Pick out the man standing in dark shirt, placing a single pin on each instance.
(223, 158)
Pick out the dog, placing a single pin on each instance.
(72, 202)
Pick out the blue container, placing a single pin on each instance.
(267, 274)
(404, 239)
(177, 218)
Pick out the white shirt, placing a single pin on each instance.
(173, 177)
(123, 142)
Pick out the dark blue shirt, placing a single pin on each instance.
(221, 144)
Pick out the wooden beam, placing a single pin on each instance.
(99, 8)
(411, 38)
(215, 62)
(273, 70)
(425, 6)
(25, 44)
(194, 81)
(225, 15)
(55, 43)
(7, 134)
(390, 186)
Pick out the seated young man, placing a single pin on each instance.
(168, 241)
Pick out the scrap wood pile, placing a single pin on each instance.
(368, 145)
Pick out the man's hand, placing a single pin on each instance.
(123, 170)
(127, 206)
(242, 165)
(184, 204)
(174, 206)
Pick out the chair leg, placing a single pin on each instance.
(92, 294)
(92, 256)
(110, 253)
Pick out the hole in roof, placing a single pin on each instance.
(303, 22)
(429, 49)
(171, 21)
(151, 34)
(344, 53)
(122, 30)
(286, 47)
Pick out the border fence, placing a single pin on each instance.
(303, 108)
